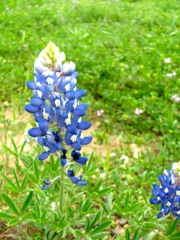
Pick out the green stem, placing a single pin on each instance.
(61, 202)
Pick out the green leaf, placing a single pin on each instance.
(135, 237)
(95, 220)
(38, 212)
(127, 201)
(97, 186)
(101, 227)
(27, 202)
(87, 166)
(133, 207)
(16, 178)
(5, 216)
(79, 234)
(36, 170)
(11, 184)
(23, 184)
(10, 203)
(54, 235)
(14, 145)
(175, 236)
(7, 149)
(149, 236)
(22, 147)
(87, 223)
(104, 191)
(144, 195)
(100, 235)
(85, 205)
(52, 162)
(171, 228)
(127, 234)
(13, 222)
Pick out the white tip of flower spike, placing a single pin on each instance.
(176, 169)
(49, 59)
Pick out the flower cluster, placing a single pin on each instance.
(176, 98)
(138, 111)
(167, 194)
(56, 108)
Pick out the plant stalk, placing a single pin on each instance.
(61, 202)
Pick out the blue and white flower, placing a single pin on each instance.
(57, 110)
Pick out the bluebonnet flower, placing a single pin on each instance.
(78, 159)
(76, 180)
(167, 194)
(57, 111)
(46, 184)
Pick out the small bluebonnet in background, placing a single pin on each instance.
(167, 194)
(57, 111)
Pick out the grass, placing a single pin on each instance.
(119, 49)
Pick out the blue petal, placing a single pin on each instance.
(161, 178)
(86, 140)
(37, 101)
(43, 125)
(45, 187)
(31, 85)
(70, 95)
(76, 145)
(41, 141)
(34, 132)
(80, 93)
(82, 183)
(69, 105)
(31, 109)
(43, 156)
(63, 162)
(82, 160)
(61, 121)
(71, 129)
(154, 201)
(70, 173)
(83, 125)
(166, 210)
(62, 84)
(160, 214)
(52, 147)
(74, 180)
(156, 187)
(79, 112)
(58, 146)
(68, 138)
(74, 121)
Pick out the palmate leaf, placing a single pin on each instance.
(10, 203)
(27, 202)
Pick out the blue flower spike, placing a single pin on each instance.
(167, 194)
(57, 111)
